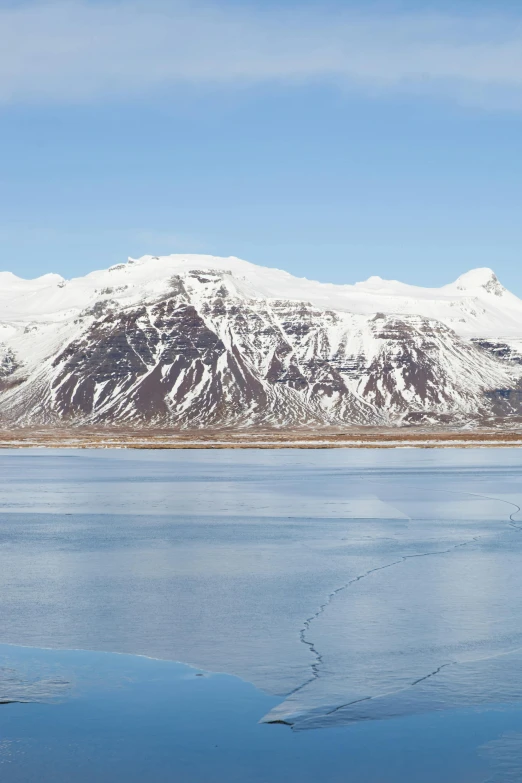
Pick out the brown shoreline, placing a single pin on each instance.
(302, 438)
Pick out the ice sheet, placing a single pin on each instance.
(354, 585)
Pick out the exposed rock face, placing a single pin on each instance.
(202, 346)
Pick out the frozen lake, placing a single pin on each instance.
(346, 586)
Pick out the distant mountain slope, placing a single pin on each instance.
(198, 340)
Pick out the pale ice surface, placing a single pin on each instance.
(353, 584)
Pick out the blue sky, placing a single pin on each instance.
(335, 141)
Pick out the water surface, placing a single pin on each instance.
(344, 590)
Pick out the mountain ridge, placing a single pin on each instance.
(196, 341)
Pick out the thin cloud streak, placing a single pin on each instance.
(77, 51)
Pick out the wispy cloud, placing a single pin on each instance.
(77, 51)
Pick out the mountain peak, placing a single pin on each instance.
(483, 277)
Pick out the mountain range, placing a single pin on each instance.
(194, 341)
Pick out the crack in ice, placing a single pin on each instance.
(315, 666)
(372, 698)
(303, 633)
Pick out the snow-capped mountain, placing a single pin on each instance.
(199, 340)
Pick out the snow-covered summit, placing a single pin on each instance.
(475, 305)
(482, 278)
